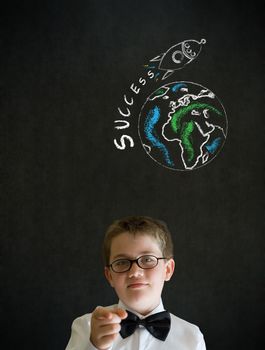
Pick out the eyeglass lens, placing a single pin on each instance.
(145, 262)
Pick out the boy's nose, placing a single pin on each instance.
(135, 270)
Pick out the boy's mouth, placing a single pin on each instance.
(137, 285)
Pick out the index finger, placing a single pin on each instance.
(120, 312)
(108, 313)
(102, 313)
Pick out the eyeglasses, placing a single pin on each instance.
(144, 262)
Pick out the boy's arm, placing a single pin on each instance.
(201, 345)
(80, 334)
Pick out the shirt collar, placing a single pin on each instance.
(159, 308)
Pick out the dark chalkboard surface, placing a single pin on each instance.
(66, 67)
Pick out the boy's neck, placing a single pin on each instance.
(158, 308)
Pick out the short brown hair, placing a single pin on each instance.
(142, 225)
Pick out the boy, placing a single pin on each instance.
(138, 253)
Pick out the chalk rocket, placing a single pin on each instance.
(177, 56)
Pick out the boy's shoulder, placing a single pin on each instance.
(183, 323)
(180, 321)
(183, 329)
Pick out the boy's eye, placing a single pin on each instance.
(148, 260)
(121, 263)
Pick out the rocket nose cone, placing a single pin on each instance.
(192, 48)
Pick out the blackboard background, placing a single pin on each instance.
(64, 69)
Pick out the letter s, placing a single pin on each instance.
(142, 81)
(122, 146)
(150, 74)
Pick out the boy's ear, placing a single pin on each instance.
(170, 266)
(108, 275)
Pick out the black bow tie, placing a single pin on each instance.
(158, 324)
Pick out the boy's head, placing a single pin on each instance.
(138, 254)
(139, 225)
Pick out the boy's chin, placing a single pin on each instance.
(141, 305)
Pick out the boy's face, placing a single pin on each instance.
(139, 289)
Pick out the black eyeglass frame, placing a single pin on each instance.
(137, 262)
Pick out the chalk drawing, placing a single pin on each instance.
(187, 129)
(182, 125)
(177, 56)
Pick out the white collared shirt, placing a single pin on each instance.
(182, 335)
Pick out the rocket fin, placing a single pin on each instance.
(157, 58)
(167, 74)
